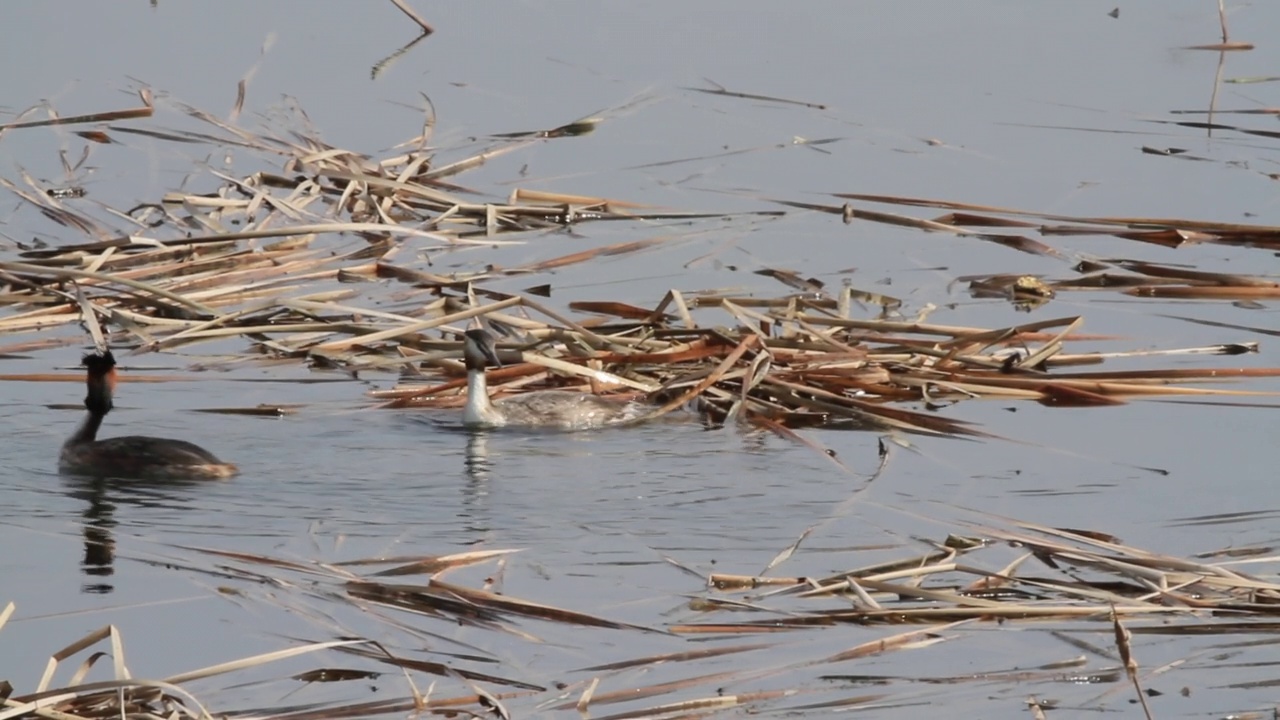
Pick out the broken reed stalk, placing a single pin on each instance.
(427, 29)
(147, 110)
(1124, 643)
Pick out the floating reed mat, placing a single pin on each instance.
(330, 257)
(796, 363)
(754, 632)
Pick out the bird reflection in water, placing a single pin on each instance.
(146, 465)
(105, 497)
(476, 465)
(99, 540)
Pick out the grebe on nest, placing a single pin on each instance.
(552, 409)
(133, 456)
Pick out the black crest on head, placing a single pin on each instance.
(99, 362)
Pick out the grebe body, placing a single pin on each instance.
(550, 409)
(132, 456)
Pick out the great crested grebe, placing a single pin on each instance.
(553, 409)
(133, 456)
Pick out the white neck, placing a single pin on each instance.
(479, 410)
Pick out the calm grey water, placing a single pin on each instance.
(1037, 106)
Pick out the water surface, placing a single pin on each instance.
(1042, 107)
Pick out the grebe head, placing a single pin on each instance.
(478, 350)
(101, 381)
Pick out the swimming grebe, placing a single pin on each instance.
(132, 456)
(554, 409)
